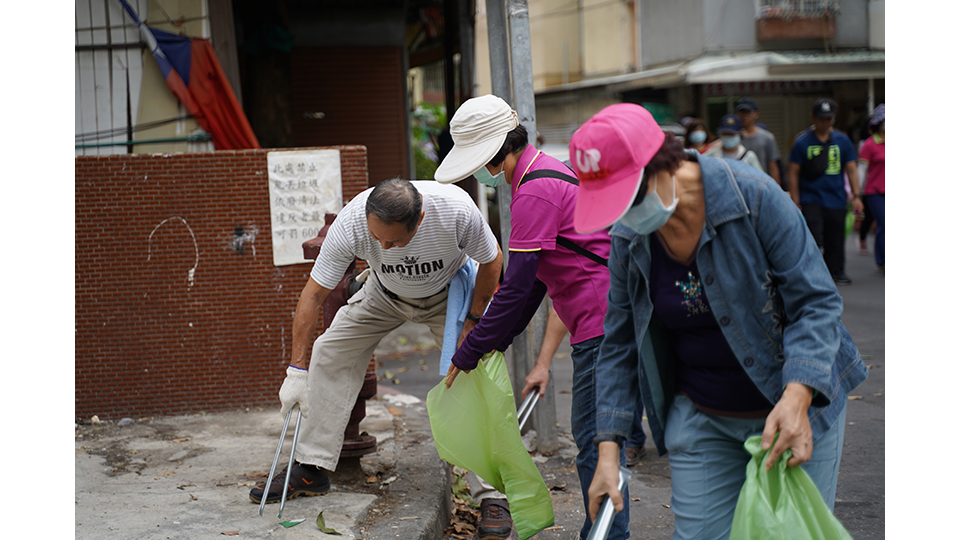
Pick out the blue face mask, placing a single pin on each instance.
(485, 178)
(698, 137)
(730, 141)
(650, 214)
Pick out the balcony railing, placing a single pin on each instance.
(796, 19)
(798, 9)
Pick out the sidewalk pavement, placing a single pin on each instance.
(189, 476)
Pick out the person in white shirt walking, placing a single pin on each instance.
(730, 146)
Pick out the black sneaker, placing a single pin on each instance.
(842, 279)
(495, 521)
(305, 481)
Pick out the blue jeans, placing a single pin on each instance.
(708, 466)
(637, 437)
(878, 205)
(583, 421)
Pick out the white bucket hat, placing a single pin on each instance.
(478, 128)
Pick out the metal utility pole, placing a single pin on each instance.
(508, 27)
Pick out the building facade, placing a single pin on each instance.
(697, 57)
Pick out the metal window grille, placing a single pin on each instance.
(796, 9)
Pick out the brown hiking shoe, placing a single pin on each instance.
(305, 481)
(495, 521)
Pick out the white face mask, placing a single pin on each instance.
(650, 214)
(484, 177)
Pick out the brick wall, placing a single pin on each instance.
(152, 338)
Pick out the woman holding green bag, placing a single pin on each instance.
(547, 256)
(721, 314)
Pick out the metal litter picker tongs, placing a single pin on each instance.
(601, 527)
(273, 468)
(528, 405)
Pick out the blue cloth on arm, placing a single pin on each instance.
(511, 309)
(459, 299)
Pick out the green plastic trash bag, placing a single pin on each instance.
(851, 219)
(474, 425)
(782, 504)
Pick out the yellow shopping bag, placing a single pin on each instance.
(474, 425)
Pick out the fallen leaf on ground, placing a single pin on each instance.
(250, 483)
(292, 522)
(184, 486)
(403, 369)
(424, 368)
(851, 398)
(394, 411)
(193, 497)
(372, 480)
(182, 439)
(257, 474)
(554, 528)
(666, 506)
(323, 525)
(396, 381)
(635, 499)
(387, 375)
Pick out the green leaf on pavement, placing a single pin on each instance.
(323, 525)
(292, 522)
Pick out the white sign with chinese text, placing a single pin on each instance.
(304, 185)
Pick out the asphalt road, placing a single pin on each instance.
(860, 503)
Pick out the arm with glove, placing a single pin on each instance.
(294, 388)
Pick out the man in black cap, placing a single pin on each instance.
(757, 139)
(818, 160)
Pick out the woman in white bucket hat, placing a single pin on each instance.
(547, 256)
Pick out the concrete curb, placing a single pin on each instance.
(417, 504)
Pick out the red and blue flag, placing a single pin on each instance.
(193, 73)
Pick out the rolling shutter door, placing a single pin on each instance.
(773, 116)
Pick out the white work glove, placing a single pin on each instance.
(293, 391)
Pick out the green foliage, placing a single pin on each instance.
(427, 121)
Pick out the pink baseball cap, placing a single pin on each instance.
(608, 153)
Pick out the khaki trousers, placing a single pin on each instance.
(340, 359)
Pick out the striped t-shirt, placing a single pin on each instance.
(452, 229)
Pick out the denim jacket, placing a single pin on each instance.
(767, 286)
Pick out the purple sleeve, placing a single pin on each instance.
(511, 309)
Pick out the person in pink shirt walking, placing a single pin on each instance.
(873, 155)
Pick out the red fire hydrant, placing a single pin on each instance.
(355, 443)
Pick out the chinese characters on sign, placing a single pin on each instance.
(304, 185)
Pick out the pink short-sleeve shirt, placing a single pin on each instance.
(874, 154)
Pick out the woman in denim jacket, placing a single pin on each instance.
(721, 314)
